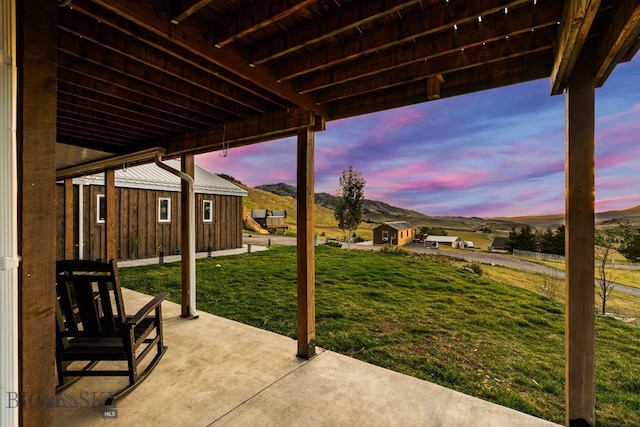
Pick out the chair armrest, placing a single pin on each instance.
(144, 311)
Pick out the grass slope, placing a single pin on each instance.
(421, 316)
(325, 222)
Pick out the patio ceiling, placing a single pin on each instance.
(199, 75)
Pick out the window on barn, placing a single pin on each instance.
(101, 209)
(207, 211)
(164, 209)
(385, 235)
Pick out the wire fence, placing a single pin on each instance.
(538, 255)
(553, 257)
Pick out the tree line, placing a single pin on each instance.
(623, 238)
(527, 239)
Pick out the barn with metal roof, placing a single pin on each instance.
(148, 219)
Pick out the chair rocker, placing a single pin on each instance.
(92, 326)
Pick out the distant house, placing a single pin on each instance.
(148, 213)
(499, 244)
(453, 241)
(394, 233)
(273, 221)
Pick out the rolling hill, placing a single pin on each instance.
(377, 212)
(374, 211)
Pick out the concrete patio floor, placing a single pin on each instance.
(224, 373)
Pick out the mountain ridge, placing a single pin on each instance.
(378, 211)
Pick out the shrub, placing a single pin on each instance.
(333, 244)
(476, 268)
(395, 250)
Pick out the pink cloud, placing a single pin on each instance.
(617, 203)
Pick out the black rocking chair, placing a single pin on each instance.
(92, 326)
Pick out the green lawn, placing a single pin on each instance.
(423, 317)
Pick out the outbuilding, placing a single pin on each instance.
(148, 214)
(453, 241)
(394, 233)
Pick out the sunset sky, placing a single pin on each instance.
(487, 154)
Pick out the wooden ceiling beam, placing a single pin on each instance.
(92, 133)
(102, 107)
(477, 56)
(108, 127)
(397, 34)
(577, 18)
(125, 103)
(114, 49)
(185, 12)
(91, 144)
(439, 44)
(350, 16)
(73, 112)
(168, 48)
(619, 38)
(194, 38)
(257, 16)
(88, 75)
(274, 125)
(512, 71)
(69, 109)
(85, 86)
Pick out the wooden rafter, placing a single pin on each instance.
(115, 97)
(188, 11)
(477, 56)
(621, 36)
(258, 16)
(577, 18)
(350, 17)
(167, 48)
(415, 30)
(530, 67)
(440, 44)
(193, 38)
(132, 57)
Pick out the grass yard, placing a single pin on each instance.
(420, 316)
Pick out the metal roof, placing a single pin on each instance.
(150, 177)
(443, 239)
(398, 225)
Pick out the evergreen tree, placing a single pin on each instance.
(631, 248)
(552, 242)
(524, 239)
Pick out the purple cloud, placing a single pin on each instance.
(492, 153)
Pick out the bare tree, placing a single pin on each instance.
(550, 284)
(607, 242)
(349, 198)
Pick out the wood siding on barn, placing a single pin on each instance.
(139, 234)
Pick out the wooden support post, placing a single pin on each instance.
(305, 248)
(36, 137)
(580, 294)
(110, 219)
(187, 166)
(68, 219)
